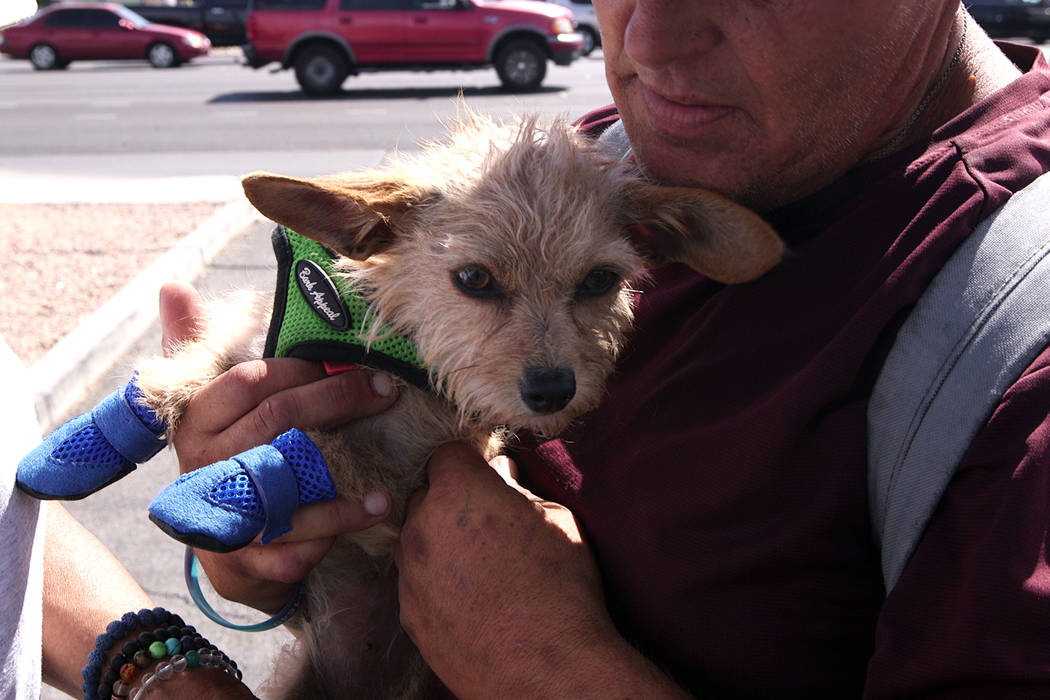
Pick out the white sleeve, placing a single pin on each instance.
(21, 539)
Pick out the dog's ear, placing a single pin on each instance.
(706, 231)
(353, 215)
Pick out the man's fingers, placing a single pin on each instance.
(456, 460)
(343, 515)
(270, 569)
(256, 401)
(507, 468)
(453, 459)
(181, 312)
(235, 393)
(321, 404)
(288, 562)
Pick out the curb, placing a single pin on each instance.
(63, 376)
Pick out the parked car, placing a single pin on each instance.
(73, 31)
(1013, 18)
(586, 21)
(327, 40)
(222, 21)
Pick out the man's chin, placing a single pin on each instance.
(671, 163)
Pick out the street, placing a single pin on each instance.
(216, 117)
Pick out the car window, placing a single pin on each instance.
(83, 18)
(101, 19)
(66, 18)
(131, 16)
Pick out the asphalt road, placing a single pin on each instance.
(217, 117)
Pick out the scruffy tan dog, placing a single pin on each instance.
(506, 254)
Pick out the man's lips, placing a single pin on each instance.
(680, 118)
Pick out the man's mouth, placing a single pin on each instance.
(681, 116)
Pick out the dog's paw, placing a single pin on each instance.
(93, 450)
(224, 506)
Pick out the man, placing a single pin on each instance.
(716, 537)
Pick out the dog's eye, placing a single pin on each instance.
(597, 282)
(475, 281)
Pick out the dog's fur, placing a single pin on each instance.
(537, 207)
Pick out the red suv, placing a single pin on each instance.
(327, 40)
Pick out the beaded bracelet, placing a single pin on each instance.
(178, 663)
(164, 635)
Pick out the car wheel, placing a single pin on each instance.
(590, 40)
(320, 70)
(44, 57)
(161, 55)
(521, 65)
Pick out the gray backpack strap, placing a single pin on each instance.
(979, 324)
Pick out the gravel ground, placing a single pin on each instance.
(65, 260)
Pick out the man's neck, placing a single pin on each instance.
(971, 69)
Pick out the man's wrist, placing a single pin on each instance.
(609, 667)
(600, 665)
(146, 648)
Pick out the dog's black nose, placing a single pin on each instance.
(547, 389)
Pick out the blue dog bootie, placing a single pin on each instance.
(93, 450)
(223, 506)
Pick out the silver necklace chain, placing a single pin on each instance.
(927, 99)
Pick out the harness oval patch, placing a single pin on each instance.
(321, 294)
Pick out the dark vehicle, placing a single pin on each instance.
(1013, 18)
(71, 31)
(327, 40)
(222, 21)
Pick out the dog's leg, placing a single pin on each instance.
(224, 506)
(349, 639)
(233, 331)
(96, 448)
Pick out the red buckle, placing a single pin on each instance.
(340, 367)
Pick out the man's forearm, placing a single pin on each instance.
(85, 588)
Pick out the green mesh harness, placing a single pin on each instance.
(315, 317)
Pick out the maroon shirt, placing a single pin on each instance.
(722, 484)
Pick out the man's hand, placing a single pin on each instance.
(250, 405)
(502, 596)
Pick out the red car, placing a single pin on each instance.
(327, 40)
(68, 32)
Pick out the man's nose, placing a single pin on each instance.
(659, 32)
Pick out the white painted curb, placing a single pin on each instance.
(61, 377)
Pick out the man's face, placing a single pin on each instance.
(766, 100)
